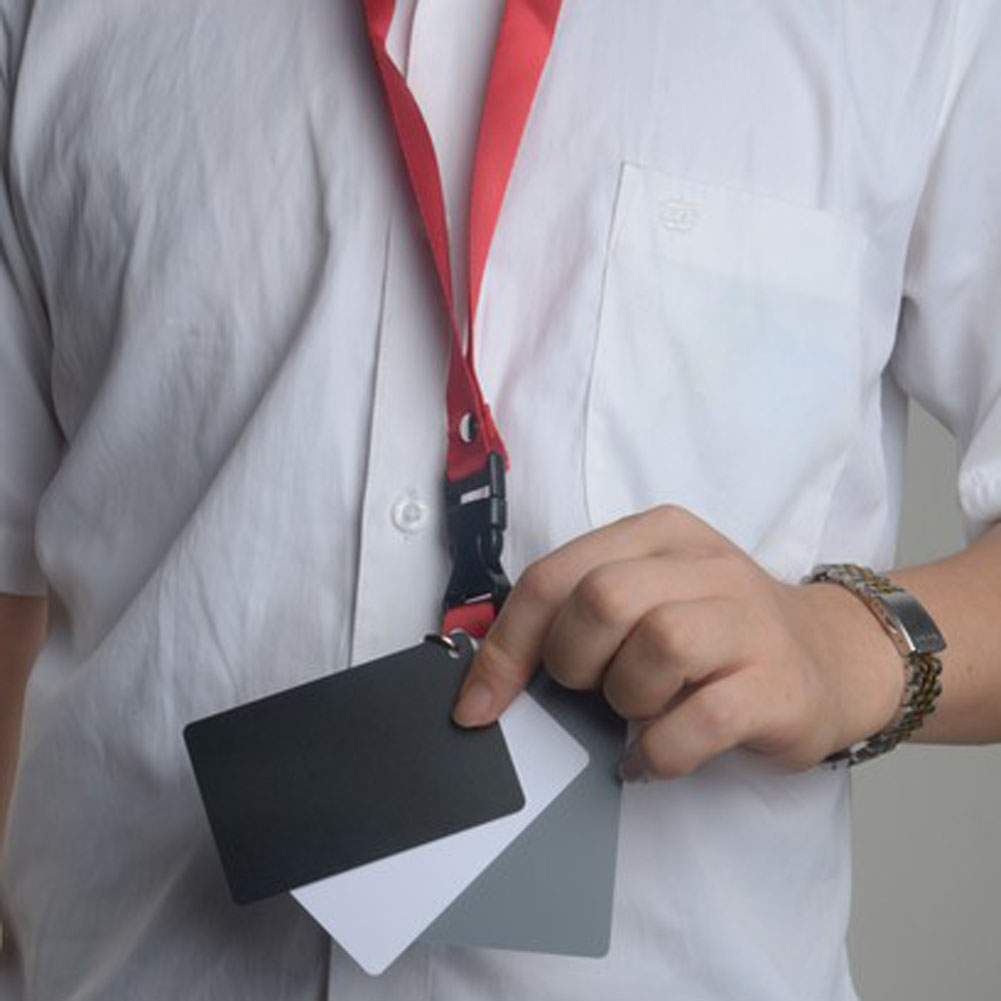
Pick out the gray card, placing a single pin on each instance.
(551, 891)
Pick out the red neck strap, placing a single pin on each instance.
(523, 45)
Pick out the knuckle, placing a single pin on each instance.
(573, 680)
(666, 633)
(670, 517)
(563, 669)
(661, 759)
(672, 512)
(539, 582)
(680, 526)
(603, 597)
(719, 715)
(617, 698)
(621, 697)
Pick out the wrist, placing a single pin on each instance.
(860, 668)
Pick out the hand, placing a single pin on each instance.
(688, 636)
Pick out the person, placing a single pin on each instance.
(735, 241)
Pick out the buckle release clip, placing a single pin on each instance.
(476, 516)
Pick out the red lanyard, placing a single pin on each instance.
(476, 458)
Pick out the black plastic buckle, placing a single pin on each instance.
(476, 516)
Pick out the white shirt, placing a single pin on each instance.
(734, 239)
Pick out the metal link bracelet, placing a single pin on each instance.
(917, 640)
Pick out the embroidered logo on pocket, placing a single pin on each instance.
(679, 215)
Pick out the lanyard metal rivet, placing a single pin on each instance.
(469, 427)
(452, 641)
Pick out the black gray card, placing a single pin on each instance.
(345, 770)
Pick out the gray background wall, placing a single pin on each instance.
(926, 923)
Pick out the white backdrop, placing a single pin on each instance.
(927, 918)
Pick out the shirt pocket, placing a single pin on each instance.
(726, 374)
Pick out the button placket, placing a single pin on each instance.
(400, 552)
(410, 514)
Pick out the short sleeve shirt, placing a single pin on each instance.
(736, 239)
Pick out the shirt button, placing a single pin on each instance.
(410, 515)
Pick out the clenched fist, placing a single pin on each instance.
(686, 635)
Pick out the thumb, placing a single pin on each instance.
(505, 661)
(493, 681)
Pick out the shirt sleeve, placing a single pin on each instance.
(948, 352)
(29, 438)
